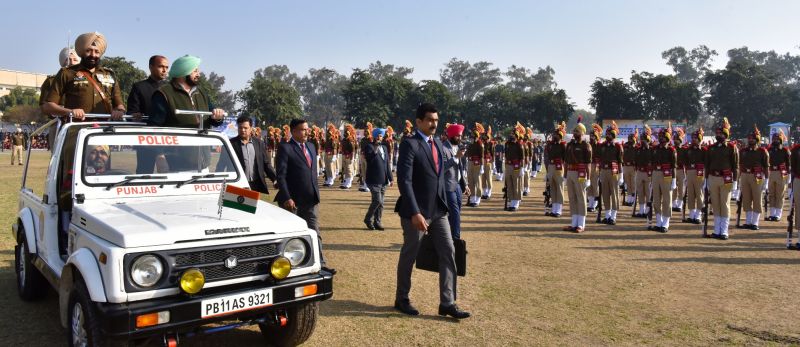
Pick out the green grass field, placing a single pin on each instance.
(527, 284)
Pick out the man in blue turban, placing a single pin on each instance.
(378, 174)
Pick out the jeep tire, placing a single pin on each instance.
(31, 285)
(301, 322)
(83, 325)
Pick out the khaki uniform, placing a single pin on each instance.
(17, 147)
(610, 164)
(663, 161)
(753, 165)
(680, 179)
(779, 165)
(527, 150)
(629, 171)
(72, 88)
(362, 163)
(488, 164)
(578, 158)
(474, 155)
(331, 147)
(554, 152)
(695, 178)
(722, 164)
(593, 192)
(513, 173)
(643, 177)
(348, 150)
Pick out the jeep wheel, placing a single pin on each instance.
(31, 285)
(301, 322)
(82, 323)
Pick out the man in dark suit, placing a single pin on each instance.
(422, 207)
(378, 175)
(252, 155)
(297, 178)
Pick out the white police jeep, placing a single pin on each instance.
(128, 231)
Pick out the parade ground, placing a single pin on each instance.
(528, 283)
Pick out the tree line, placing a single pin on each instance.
(754, 88)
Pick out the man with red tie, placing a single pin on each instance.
(297, 178)
(422, 207)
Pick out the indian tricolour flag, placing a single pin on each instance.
(239, 198)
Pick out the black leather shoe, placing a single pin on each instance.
(406, 307)
(611, 222)
(590, 209)
(369, 226)
(379, 227)
(723, 237)
(754, 227)
(484, 197)
(453, 311)
(523, 193)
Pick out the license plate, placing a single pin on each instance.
(222, 305)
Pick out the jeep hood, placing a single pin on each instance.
(153, 221)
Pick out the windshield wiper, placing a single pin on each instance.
(129, 179)
(198, 177)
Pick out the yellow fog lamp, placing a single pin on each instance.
(192, 281)
(280, 268)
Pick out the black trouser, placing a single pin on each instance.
(375, 210)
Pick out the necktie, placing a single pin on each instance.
(435, 154)
(305, 152)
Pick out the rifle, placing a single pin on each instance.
(624, 192)
(547, 199)
(650, 207)
(599, 200)
(766, 202)
(790, 228)
(505, 194)
(635, 200)
(706, 201)
(683, 209)
(738, 209)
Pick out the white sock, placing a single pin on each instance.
(717, 225)
(665, 223)
(779, 212)
(756, 217)
(724, 228)
(574, 221)
(557, 208)
(608, 214)
(582, 221)
(658, 220)
(614, 214)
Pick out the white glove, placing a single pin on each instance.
(481, 173)
(735, 185)
(521, 173)
(705, 185)
(588, 183)
(674, 185)
(765, 185)
(621, 179)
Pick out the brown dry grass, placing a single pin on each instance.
(528, 283)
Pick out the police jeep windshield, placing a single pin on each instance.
(112, 160)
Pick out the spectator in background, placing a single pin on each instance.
(18, 142)
(252, 155)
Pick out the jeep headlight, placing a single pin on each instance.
(146, 270)
(295, 250)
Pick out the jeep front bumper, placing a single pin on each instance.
(118, 321)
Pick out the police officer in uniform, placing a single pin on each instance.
(475, 166)
(331, 146)
(513, 171)
(527, 149)
(680, 170)
(555, 150)
(695, 177)
(753, 165)
(663, 159)
(349, 148)
(578, 159)
(722, 174)
(779, 164)
(366, 140)
(644, 171)
(593, 191)
(488, 163)
(629, 167)
(610, 173)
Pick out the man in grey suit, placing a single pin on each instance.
(422, 207)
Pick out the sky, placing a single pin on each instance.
(581, 40)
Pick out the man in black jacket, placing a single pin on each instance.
(252, 155)
(378, 175)
(422, 207)
(139, 105)
(297, 178)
